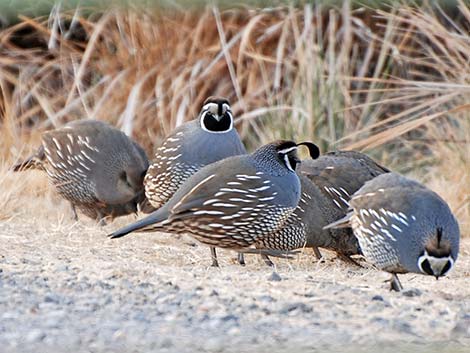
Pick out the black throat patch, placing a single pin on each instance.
(210, 122)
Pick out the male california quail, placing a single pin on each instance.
(327, 184)
(403, 227)
(94, 166)
(190, 147)
(235, 202)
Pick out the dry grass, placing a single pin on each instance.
(395, 83)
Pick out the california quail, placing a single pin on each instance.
(403, 227)
(235, 202)
(191, 146)
(326, 185)
(94, 166)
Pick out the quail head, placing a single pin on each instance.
(327, 184)
(94, 166)
(193, 145)
(403, 227)
(235, 202)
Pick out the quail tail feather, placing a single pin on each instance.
(145, 224)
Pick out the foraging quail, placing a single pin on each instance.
(235, 202)
(327, 184)
(94, 166)
(403, 227)
(190, 147)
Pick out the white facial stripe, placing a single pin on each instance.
(286, 159)
(226, 107)
(210, 106)
(287, 150)
(203, 114)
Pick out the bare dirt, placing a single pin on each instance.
(65, 287)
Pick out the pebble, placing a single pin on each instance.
(461, 329)
(275, 277)
(412, 292)
(302, 307)
(35, 335)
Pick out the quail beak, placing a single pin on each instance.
(217, 117)
(437, 277)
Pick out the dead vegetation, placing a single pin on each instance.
(395, 83)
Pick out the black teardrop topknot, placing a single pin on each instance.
(313, 149)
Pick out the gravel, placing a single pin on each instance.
(66, 288)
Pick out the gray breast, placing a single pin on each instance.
(184, 152)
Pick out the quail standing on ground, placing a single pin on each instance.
(94, 166)
(190, 147)
(235, 202)
(327, 184)
(403, 227)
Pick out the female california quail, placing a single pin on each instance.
(327, 184)
(235, 202)
(191, 146)
(94, 166)
(403, 227)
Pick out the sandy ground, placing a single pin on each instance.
(64, 287)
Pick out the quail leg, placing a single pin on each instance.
(348, 259)
(395, 283)
(102, 222)
(74, 212)
(267, 261)
(101, 219)
(215, 263)
(317, 253)
(241, 259)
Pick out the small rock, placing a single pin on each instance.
(296, 307)
(381, 321)
(35, 335)
(52, 298)
(461, 329)
(378, 298)
(229, 317)
(402, 326)
(274, 277)
(266, 298)
(167, 343)
(412, 292)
